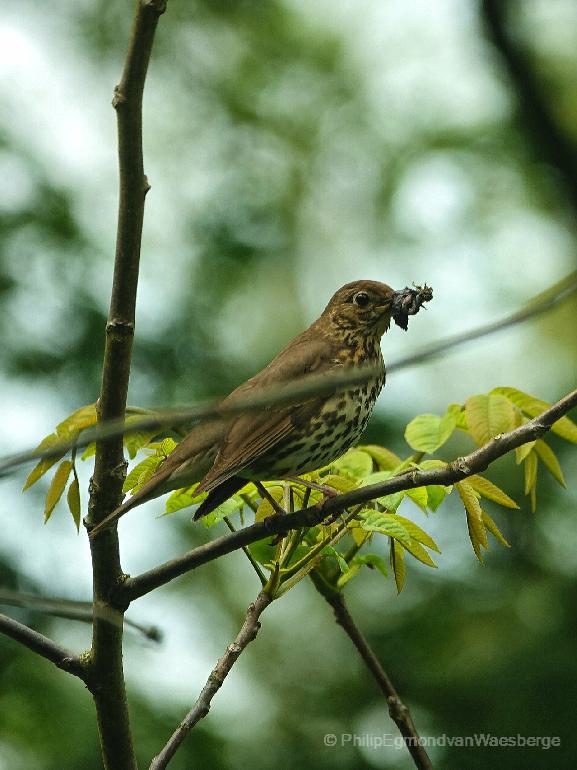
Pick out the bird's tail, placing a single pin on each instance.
(218, 495)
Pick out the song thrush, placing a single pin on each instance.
(291, 439)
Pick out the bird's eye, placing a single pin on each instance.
(361, 299)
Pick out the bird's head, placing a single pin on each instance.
(364, 307)
(367, 307)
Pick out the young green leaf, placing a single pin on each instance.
(428, 432)
(328, 550)
(344, 577)
(397, 561)
(340, 483)
(390, 502)
(384, 458)
(90, 451)
(418, 534)
(141, 473)
(476, 527)
(491, 491)
(418, 552)
(435, 495)
(494, 529)
(227, 508)
(419, 496)
(263, 552)
(265, 508)
(530, 472)
(522, 451)
(458, 412)
(82, 418)
(549, 460)
(385, 523)
(354, 463)
(46, 463)
(183, 498)
(73, 500)
(371, 560)
(137, 440)
(57, 487)
(489, 415)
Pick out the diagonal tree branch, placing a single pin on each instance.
(173, 418)
(247, 634)
(293, 392)
(475, 462)
(398, 711)
(45, 647)
(544, 301)
(109, 469)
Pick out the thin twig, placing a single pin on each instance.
(248, 554)
(457, 470)
(109, 468)
(275, 395)
(546, 300)
(247, 633)
(397, 709)
(74, 610)
(45, 647)
(293, 392)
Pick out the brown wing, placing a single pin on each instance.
(251, 435)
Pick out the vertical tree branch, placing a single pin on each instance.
(399, 712)
(217, 676)
(106, 485)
